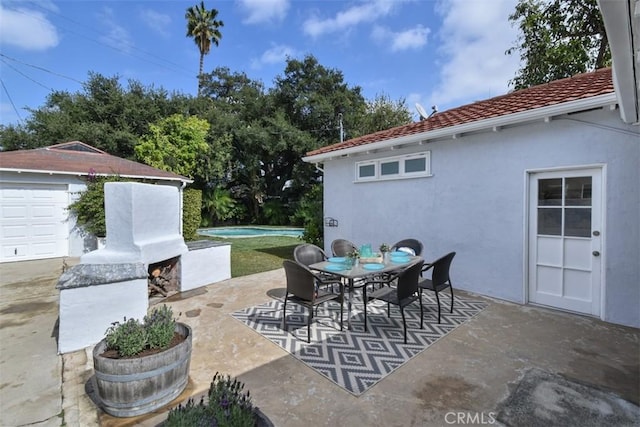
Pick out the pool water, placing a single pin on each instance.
(240, 232)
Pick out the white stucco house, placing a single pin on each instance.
(537, 191)
(37, 186)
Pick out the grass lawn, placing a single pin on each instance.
(257, 254)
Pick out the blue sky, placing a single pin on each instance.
(434, 52)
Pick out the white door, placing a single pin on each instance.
(565, 239)
(33, 221)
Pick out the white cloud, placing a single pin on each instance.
(413, 38)
(367, 11)
(158, 22)
(117, 36)
(27, 29)
(277, 54)
(474, 37)
(260, 11)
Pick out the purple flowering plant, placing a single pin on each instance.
(226, 404)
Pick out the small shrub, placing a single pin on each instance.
(191, 213)
(310, 211)
(191, 415)
(228, 406)
(133, 337)
(160, 327)
(229, 403)
(128, 338)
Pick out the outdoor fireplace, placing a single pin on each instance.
(144, 247)
(143, 226)
(109, 284)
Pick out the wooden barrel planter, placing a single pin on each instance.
(136, 386)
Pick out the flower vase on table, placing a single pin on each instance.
(352, 258)
(384, 250)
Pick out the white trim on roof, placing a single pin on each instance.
(621, 19)
(544, 113)
(52, 172)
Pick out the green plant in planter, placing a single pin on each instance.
(128, 338)
(160, 326)
(228, 405)
(132, 337)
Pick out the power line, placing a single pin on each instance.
(39, 68)
(11, 101)
(23, 74)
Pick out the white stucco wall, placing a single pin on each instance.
(87, 312)
(203, 266)
(475, 203)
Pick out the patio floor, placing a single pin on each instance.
(470, 371)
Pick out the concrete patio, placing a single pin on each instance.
(471, 370)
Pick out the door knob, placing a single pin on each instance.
(596, 253)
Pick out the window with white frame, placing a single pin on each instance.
(398, 167)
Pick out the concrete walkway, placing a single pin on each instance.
(471, 371)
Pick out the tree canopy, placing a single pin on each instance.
(104, 114)
(248, 163)
(176, 144)
(558, 38)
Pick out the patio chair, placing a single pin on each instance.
(307, 254)
(412, 246)
(301, 289)
(402, 295)
(341, 247)
(440, 279)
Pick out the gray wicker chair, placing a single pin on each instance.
(342, 247)
(415, 245)
(440, 279)
(301, 289)
(401, 295)
(307, 254)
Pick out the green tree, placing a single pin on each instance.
(383, 113)
(105, 114)
(312, 97)
(218, 206)
(177, 144)
(203, 26)
(559, 38)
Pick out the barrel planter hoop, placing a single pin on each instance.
(136, 386)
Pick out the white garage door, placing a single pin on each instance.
(33, 221)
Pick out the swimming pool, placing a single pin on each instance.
(243, 232)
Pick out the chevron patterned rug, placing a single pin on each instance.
(356, 360)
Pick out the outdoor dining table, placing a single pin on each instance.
(359, 271)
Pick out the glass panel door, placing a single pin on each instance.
(565, 239)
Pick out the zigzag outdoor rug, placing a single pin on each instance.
(357, 360)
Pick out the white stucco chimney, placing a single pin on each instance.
(143, 224)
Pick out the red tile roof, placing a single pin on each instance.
(574, 88)
(79, 158)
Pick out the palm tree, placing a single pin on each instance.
(204, 28)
